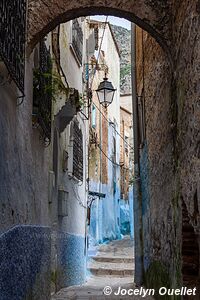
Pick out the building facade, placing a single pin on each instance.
(104, 155)
(49, 133)
(127, 164)
(70, 146)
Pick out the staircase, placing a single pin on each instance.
(112, 266)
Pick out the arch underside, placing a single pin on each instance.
(152, 16)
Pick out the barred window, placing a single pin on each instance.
(42, 91)
(77, 40)
(77, 152)
(12, 38)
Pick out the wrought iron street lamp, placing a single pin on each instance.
(105, 92)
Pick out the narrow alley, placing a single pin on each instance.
(99, 149)
(112, 266)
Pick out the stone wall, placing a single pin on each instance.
(153, 16)
(156, 154)
(187, 67)
(169, 160)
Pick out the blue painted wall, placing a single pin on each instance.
(72, 259)
(25, 253)
(131, 209)
(124, 217)
(105, 213)
(105, 217)
(111, 217)
(144, 175)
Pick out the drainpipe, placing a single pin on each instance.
(138, 232)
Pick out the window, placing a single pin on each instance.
(12, 38)
(126, 144)
(77, 152)
(93, 116)
(42, 91)
(77, 40)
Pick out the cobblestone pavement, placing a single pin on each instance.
(113, 267)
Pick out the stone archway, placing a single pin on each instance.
(152, 16)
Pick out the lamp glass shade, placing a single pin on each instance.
(105, 92)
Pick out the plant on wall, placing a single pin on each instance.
(53, 84)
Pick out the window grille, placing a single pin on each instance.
(77, 40)
(126, 144)
(12, 38)
(77, 152)
(42, 91)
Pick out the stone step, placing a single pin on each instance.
(111, 269)
(113, 259)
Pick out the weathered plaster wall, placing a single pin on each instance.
(159, 218)
(25, 187)
(24, 172)
(169, 159)
(67, 57)
(126, 101)
(72, 227)
(23, 161)
(125, 148)
(105, 213)
(69, 256)
(187, 64)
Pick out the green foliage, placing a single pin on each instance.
(53, 85)
(132, 180)
(54, 276)
(81, 102)
(125, 71)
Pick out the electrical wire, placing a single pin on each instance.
(113, 127)
(106, 21)
(99, 109)
(78, 198)
(114, 163)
